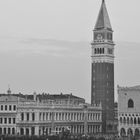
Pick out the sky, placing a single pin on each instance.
(45, 45)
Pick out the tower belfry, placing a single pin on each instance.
(102, 84)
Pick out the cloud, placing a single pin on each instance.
(51, 47)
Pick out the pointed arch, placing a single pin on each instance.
(138, 120)
(127, 120)
(135, 121)
(123, 132)
(137, 132)
(124, 120)
(130, 103)
(129, 132)
(131, 120)
(121, 120)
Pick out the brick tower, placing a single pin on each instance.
(102, 85)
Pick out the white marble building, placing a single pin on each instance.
(46, 114)
(129, 110)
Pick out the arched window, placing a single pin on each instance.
(138, 120)
(21, 131)
(9, 131)
(103, 50)
(130, 103)
(27, 131)
(33, 131)
(123, 132)
(135, 121)
(22, 116)
(124, 120)
(4, 130)
(33, 116)
(131, 120)
(129, 132)
(13, 131)
(137, 132)
(120, 119)
(127, 120)
(100, 50)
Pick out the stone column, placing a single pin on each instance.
(37, 130)
(85, 121)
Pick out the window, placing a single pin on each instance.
(13, 131)
(1, 120)
(14, 107)
(27, 116)
(33, 116)
(130, 103)
(1, 107)
(4, 130)
(5, 120)
(14, 120)
(10, 108)
(9, 131)
(22, 116)
(5, 107)
(9, 120)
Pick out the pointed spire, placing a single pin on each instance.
(103, 21)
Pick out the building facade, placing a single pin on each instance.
(47, 114)
(102, 84)
(129, 111)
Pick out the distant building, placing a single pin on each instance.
(45, 114)
(102, 86)
(129, 110)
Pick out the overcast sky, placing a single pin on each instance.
(45, 44)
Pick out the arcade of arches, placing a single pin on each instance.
(129, 132)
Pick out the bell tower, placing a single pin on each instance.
(102, 84)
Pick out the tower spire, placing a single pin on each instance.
(103, 21)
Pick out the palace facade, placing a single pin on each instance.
(45, 114)
(129, 111)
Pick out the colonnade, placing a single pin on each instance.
(74, 129)
(46, 116)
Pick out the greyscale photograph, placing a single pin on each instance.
(69, 70)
